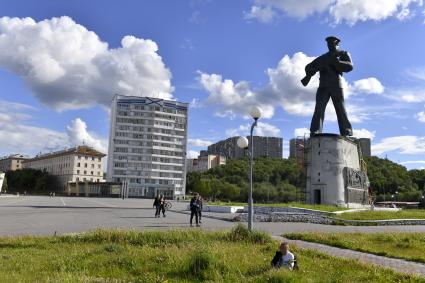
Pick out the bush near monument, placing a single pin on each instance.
(173, 256)
(282, 180)
(409, 246)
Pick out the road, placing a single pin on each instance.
(39, 215)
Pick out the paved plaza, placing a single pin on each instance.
(43, 215)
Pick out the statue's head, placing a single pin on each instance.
(333, 43)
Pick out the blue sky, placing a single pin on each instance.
(62, 61)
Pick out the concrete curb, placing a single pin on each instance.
(320, 219)
(204, 215)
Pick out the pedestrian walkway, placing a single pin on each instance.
(398, 265)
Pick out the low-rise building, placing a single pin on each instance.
(12, 162)
(94, 189)
(204, 162)
(81, 163)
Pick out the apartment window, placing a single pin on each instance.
(79, 157)
(98, 159)
(78, 179)
(92, 158)
(85, 165)
(78, 171)
(98, 166)
(85, 172)
(92, 172)
(86, 158)
(78, 164)
(92, 166)
(98, 173)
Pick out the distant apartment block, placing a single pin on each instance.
(147, 145)
(81, 163)
(296, 149)
(204, 162)
(364, 144)
(263, 147)
(12, 162)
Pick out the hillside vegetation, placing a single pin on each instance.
(282, 180)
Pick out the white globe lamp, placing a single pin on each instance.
(255, 112)
(242, 142)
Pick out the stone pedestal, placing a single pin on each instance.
(334, 172)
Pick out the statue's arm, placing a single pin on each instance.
(344, 64)
(310, 70)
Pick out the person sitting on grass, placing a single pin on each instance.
(284, 258)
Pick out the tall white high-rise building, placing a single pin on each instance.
(147, 145)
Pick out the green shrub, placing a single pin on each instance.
(241, 233)
(200, 262)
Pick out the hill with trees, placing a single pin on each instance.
(282, 180)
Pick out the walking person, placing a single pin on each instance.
(162, 206)
(157, 206)
(200, 208)
(194, 210)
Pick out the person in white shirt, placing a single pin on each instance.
(283, 257)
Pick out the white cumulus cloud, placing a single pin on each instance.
(262, 14)
(18, 135)
(191, 154)
(232, 98)
(420, 116)
(348, 11)
(352, 11)
(363, 133)
(401, 144)
(369, 85)
(262, 129)
(78, 135)
(199, 142)
(69, 67)
(297, 9)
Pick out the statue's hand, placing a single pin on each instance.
(305, 80)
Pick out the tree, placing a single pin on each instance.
(31, 181)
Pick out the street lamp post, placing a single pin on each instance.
(243, 143)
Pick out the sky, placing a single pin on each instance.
(61, 62)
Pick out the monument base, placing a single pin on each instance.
(335, 175)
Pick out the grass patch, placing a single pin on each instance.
(172, 256)
(384, 215)
(409, 246)
(327, 208)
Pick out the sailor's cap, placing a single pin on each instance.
(333, 39)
